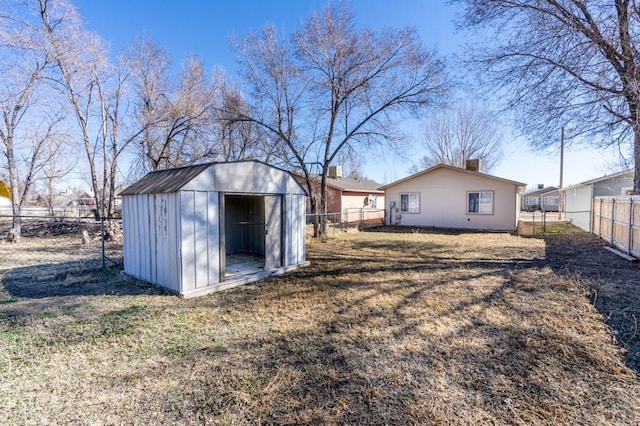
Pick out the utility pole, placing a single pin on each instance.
(561, 206)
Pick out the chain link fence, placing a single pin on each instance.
(350, 218)
(103, 234)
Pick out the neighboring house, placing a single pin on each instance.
(204, 228)
(450, 197)
(347, 196)
(578, 199)
(545, 199)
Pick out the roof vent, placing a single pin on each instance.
(335, 172)
(472, 164)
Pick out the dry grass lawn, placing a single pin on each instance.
(382, 328)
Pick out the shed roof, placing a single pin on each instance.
(163, 181)
(173, 180)
(457, 169)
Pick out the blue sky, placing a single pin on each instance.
(203, 27)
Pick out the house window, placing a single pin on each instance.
(480, 202)
(552, 200)
(410, 203)
(531, 201)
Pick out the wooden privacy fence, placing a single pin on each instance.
(617, 221)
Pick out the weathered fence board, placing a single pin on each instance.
(617, 221)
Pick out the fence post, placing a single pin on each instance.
(630, 225)
(600, 220)
(104, 266)
(613, 219)
(533, 223)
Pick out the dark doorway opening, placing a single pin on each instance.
(244, 234)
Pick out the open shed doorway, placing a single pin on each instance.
(253, 233)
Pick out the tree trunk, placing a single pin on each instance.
(636, 159)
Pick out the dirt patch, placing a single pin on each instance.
(383, 328)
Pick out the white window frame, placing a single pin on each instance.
(485, 207)
(531, 200)
(552, 200)
(410, 208)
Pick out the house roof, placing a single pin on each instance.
(351, 184)
(601, 179)
(541, 191)
(457, 169)
(354, 184)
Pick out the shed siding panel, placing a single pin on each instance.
(165, 246)
(295, 229)
(290, 240)
(132, 232)
(152, 238)
(175, 259)
(300, 228)
(201, 235)
(213, 221)
(273, 231)
(187, 225)
(129, 220)
(149, 236)
(160, 240)
(143, 212)
(139, 241)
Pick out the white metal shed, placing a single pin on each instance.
(204, 228)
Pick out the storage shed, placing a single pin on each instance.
(204, 228)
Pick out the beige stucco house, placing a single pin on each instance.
(450, 197)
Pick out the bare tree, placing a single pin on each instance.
(148, 64)
(175, 117)
(352, 162)
(28, 121)
(564, 63)
(117, 133)
(81, 60)
(452, 136)
(56, 166)
(330, 86)
(241, 139)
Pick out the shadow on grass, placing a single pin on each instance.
(371, 353)
(85, 278)
(613, 284)
(408, 332)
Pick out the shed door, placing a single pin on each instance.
(273, 231)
